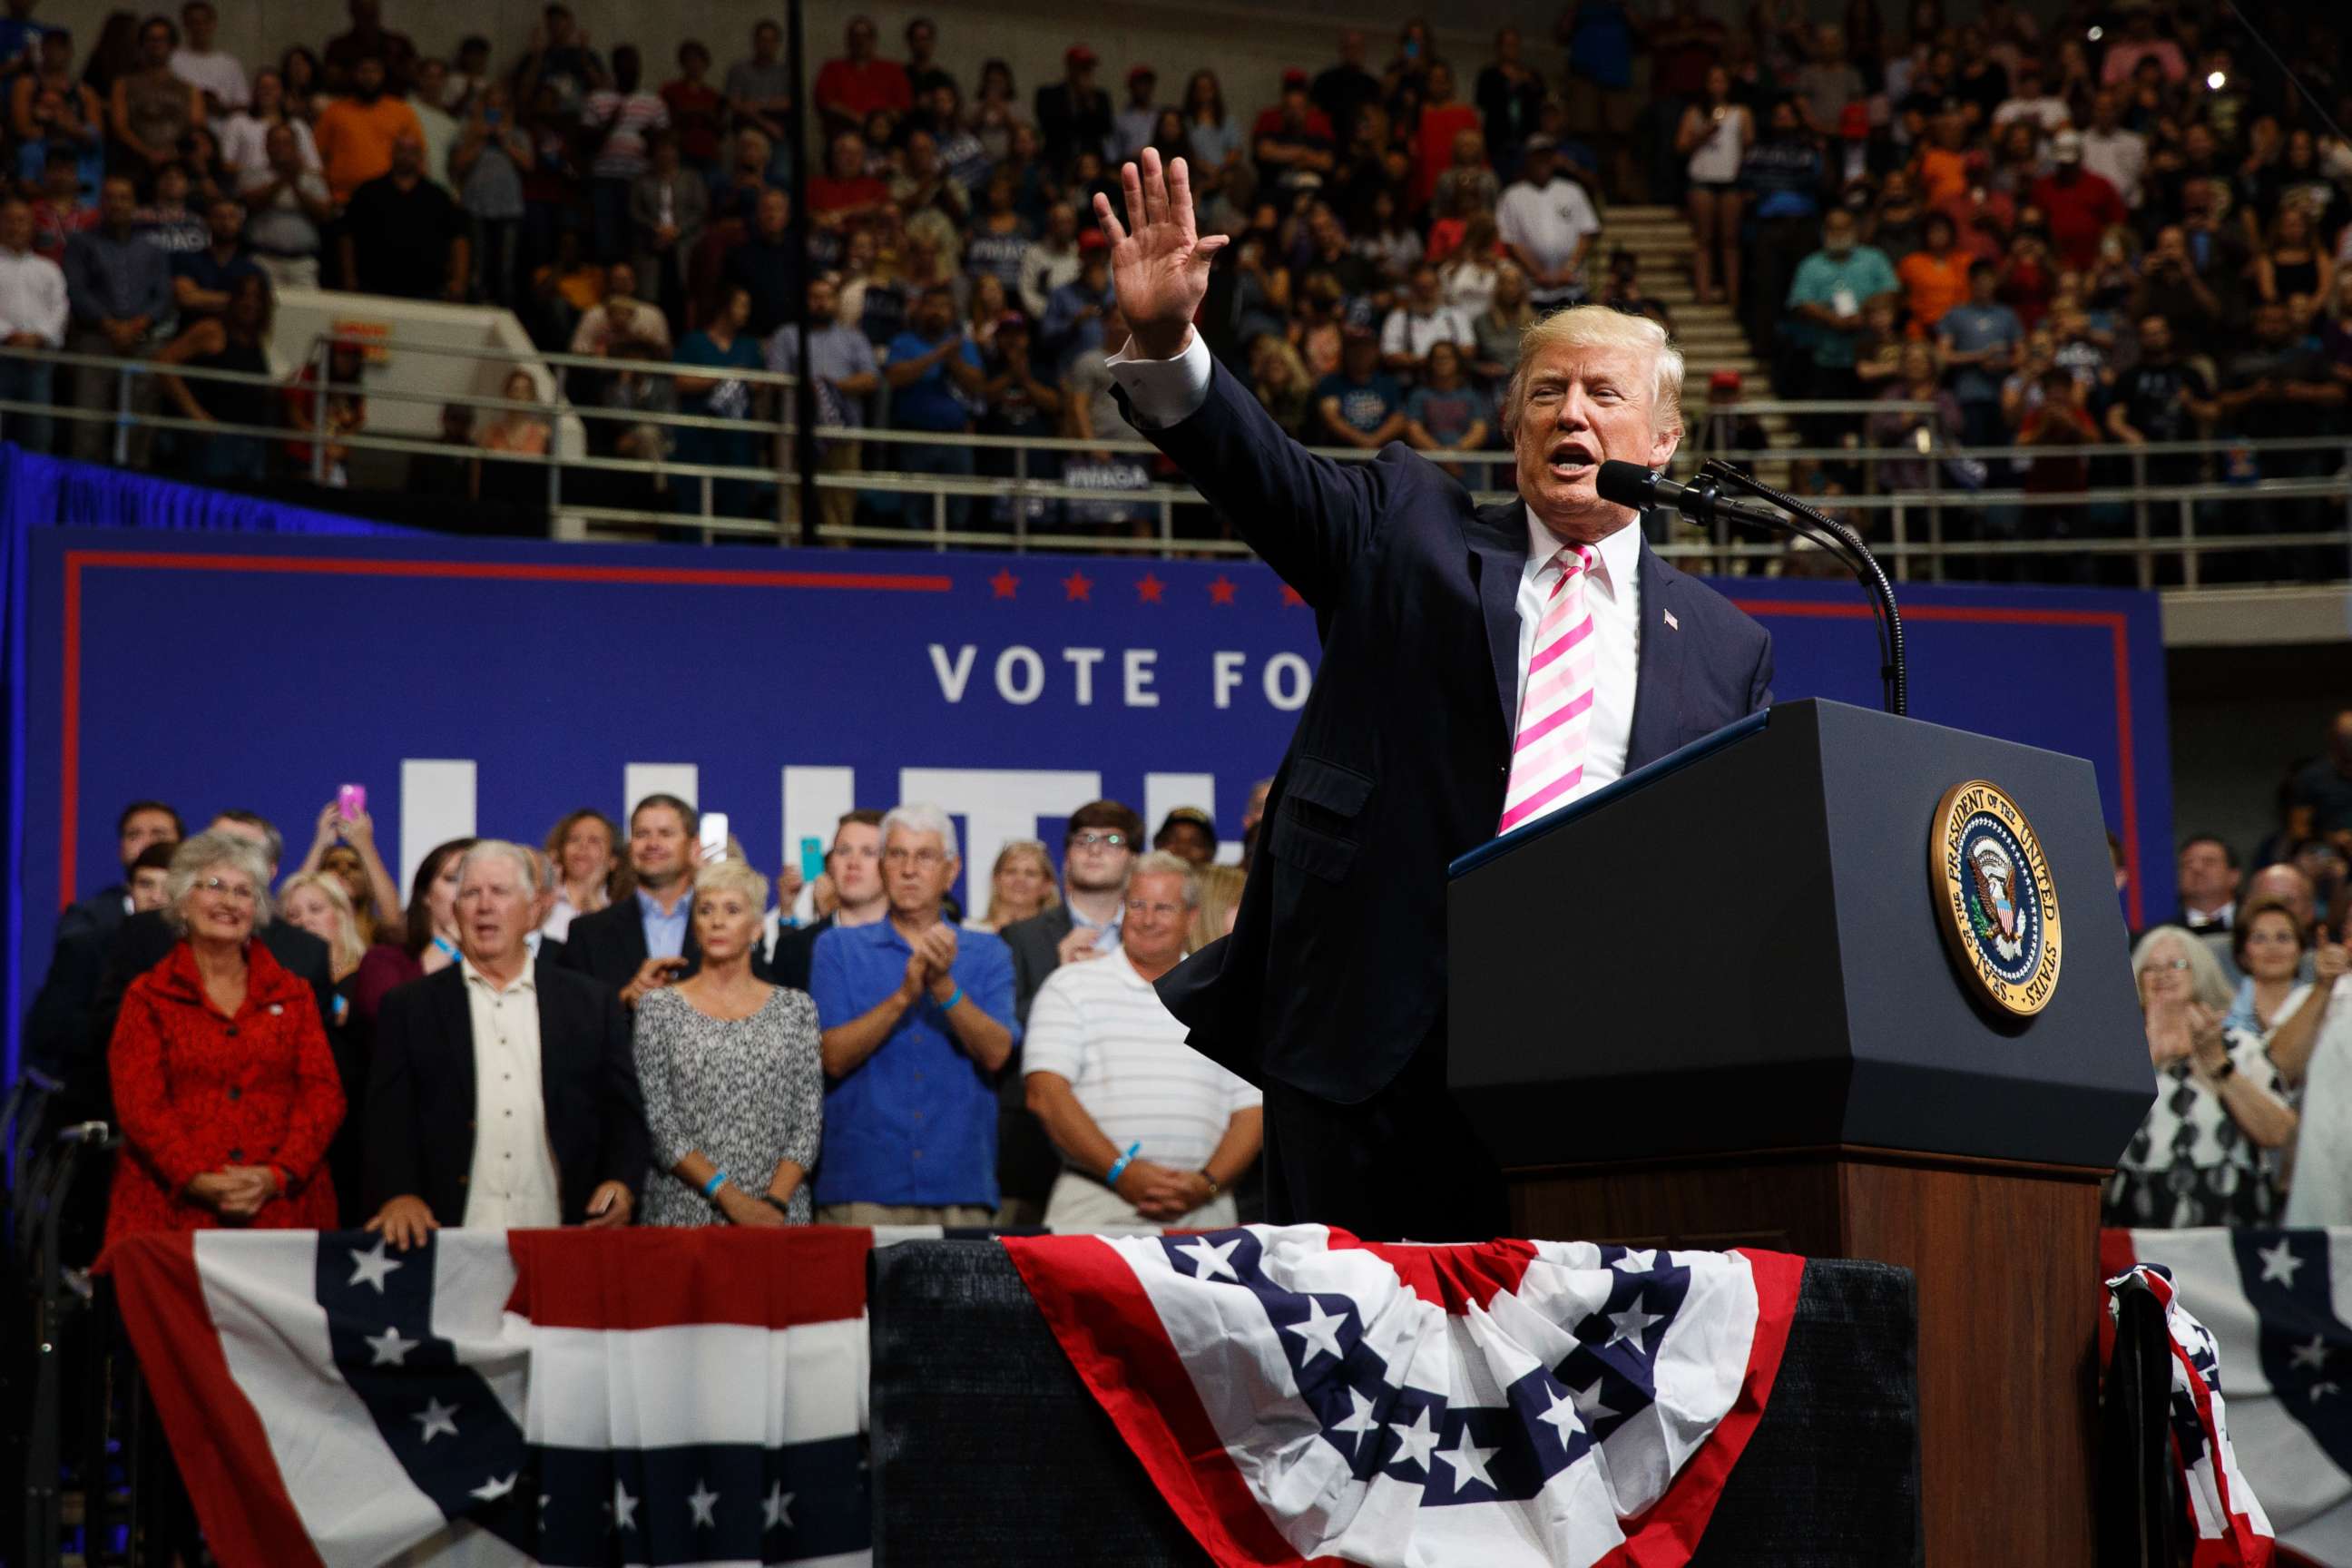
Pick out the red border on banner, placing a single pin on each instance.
(216, 1435)
(69, 722)
(650, 1277)
(69, 718)
(1105, 1322)
(2118, 627)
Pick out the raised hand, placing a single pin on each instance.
(1159, 262)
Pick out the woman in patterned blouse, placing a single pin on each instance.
(734, 1089)
(2207, 1154)
(224, 1086)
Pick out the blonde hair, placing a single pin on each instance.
(1600, 326)
(1035, 849)
(732, 874)
(346, 950)
(1220, 894)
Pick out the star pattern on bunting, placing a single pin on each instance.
(373, 1267)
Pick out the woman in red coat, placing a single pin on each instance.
(224, 1086)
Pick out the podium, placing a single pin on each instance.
(1776, 1043)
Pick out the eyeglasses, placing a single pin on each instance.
(1100, 840)
(923, 858)
(1138, 906)
(235, 892)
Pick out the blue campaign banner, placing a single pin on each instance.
(491, 687)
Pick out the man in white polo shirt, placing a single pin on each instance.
(1546, 222)
(1152, 1131)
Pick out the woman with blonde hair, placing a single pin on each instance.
(580, 846)
(321, 903)
(1021, 884)
(733, 1085)
(1221, 902)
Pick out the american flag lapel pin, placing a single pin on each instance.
(1671, 624)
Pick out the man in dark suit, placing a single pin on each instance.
(853, 866)
(646, 942)
(1482, 667)
(59, 1020)
(143, 939)
(1103, 839)
(504, 1094)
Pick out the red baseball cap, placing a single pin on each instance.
(1292, 77)
(1078, 55)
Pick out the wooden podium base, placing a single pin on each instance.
(2006, 1256)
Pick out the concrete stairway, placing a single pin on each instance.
(1710, 336)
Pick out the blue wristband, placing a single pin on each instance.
(949, 1004)
(718, 1179)
(1119, 1165)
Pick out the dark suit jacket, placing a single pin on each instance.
(139, 944)
(58, 1023)
(610, 946)
(420, 1108)
(796, 953)
(1037, 944)
(1335, 971)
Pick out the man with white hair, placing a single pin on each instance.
(504, 1093)
(916, 1021)
(1483, 667)
(1150, 1133)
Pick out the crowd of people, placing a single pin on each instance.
(2247, 992)
(2126, 228)
(618, 1027)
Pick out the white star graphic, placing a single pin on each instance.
(1209, 1261)
(1638, 1260)
(373, 1266)
(703, 1502)
(1631, 1325)
(778, 1508)
(1359, 1420)
(1318, 1334)
(1563, 1417)
(389, 1347)
(495, 1488)
(2319, 1388)
(438, 1418)
(625, 1508)
(1469, 1462)
(1415, 1442)
(1588, 1402)
(2279, 1263)
(2313, 1355)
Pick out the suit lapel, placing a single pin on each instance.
(1497, 537)
(457, 1021)
(1658, 680)
(554, 1039)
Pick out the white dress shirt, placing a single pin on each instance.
(32, 296)
(1164, 391)
(513, 1183)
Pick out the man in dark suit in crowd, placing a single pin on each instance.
(1103, 839)
(853, 866)
(1482, 667)
(59, 1020)
(504, 1093)
(646, 942)
(143, 939)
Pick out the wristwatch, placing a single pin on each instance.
(2229, 1066)
(1213, 1187)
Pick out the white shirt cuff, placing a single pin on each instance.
(1163, 392)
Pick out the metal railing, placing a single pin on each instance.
(1925, 532)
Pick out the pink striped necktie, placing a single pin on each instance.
(1556, 708)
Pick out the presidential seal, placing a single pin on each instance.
(1994, 897)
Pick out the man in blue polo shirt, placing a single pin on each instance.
(916, 1020)
(935, 377)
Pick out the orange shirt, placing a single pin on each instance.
(355, 139)
(1933, 287)
(1943, 174)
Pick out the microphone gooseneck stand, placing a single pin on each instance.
(1845, 544)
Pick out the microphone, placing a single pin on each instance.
(1630, 484)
